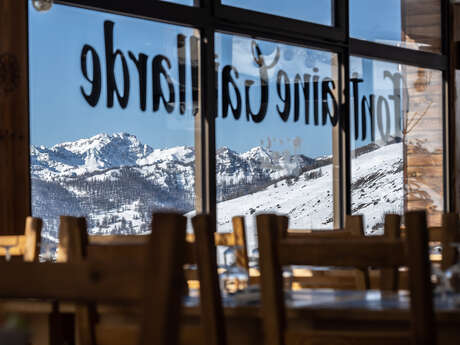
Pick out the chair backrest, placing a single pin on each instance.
(236, 238)
(152, 285)
(360, 253)
(77, 246)
(354, 228)
(445, 234)
(26, 246)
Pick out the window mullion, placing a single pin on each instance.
(449, 106)
(209, 109)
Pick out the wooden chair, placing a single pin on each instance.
(354, 228)
(77, 246)
(383, 253)
(152, 285)
(26, 246)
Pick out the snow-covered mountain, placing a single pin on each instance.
(116, 181)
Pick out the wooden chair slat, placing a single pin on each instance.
(355, 225)
(27, 245)
(449, 235)
(239, 235)
(71, 281)
(389, 277)
(354, 228)
(435, 233)
(342, 253)
(85, 318)
(283, 228)
(162, 315)
(118, 239)
(32, 239)
(300, 233)
(421, 290)
(190, 255)
(273, 307)
(133, 253)
(212, 315)
(224, 239)
(72, 242)
(221, 238)
(18, 241)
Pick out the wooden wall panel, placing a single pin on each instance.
(423, 133)
(14, 119)
(421, 20)
(423, 139)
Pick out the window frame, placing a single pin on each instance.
(211, 16)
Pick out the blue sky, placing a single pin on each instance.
(60, 113)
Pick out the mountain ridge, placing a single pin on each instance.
(116, 182)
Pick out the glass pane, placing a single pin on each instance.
(274, 132)
(112, 115)
(316, 11)
(411, 24)
(184, 2)
(397, 140)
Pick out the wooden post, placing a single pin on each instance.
(455, 111)
(239, 234)
(355, 224)
(33, 234)
(389, 277)
(14, 118)
(212, 316)
(421, 294)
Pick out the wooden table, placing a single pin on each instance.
(327, 309)
(319, 309)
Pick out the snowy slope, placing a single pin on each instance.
(376, 189)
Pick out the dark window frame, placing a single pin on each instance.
(210, 16)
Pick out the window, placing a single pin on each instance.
(286, 113)
(410, 24)
(397, 140)
(277, 111)
(316, 11)
(276, 117)
(113, 112)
